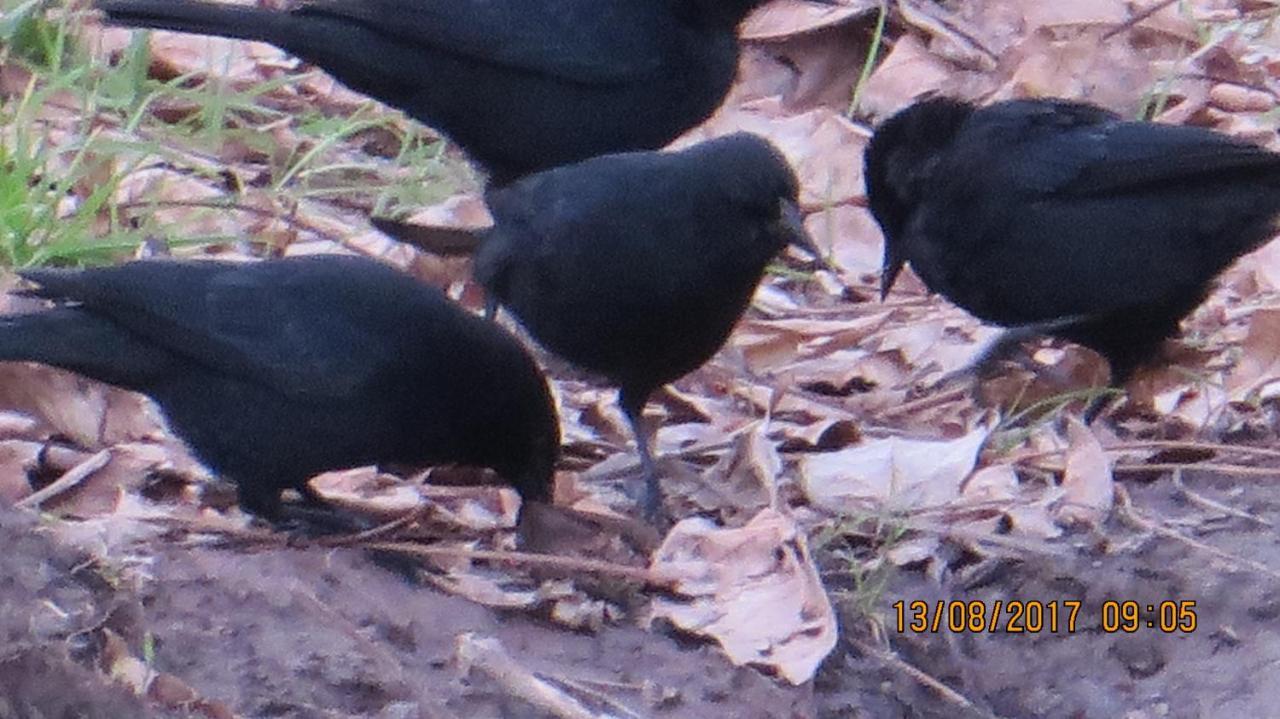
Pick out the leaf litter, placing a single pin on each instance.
(822, 410)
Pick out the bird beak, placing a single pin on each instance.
(792, 223)
(893, 262)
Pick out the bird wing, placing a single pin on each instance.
(1138, 157)
(303, 328)
(585, 41)
(1047, 221)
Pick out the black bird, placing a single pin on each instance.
(637, 265)
(1060, 218)
(276, 371)
(520, 85)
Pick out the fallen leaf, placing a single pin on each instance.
(1087, 484)
(754, 589)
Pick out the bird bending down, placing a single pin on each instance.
(636, 266)
(275, 371)
(520, 85)
(1060, 218)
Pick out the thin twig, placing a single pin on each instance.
(1127, 512)
(893, 661)
(68, 481)
(1131, 22)
(528, 559)
(1204, 502)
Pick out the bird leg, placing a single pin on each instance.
(651, 496)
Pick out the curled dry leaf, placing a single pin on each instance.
(17, 458)
(1087, 484)
(754, 589)
(782, 19)
(102, 488)
(745, 478)
(489, 589)
(904, 473)
(92, 414)
(853, 238)
(1259, 363)
(908, 72)
(233, 61)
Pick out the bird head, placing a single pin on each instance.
(756, 179)
(531, 446)
(900, 157)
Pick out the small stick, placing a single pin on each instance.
(68, 481)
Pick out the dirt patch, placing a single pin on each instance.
(1222, 668)
(312, 633)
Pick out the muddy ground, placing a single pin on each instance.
(326, 633)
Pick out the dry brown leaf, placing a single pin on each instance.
(233, 61)
(17, 458)
(746, 476)
(103, 489)
(754, 589)
(1078, 12)
(823, 147)
(853, 238)
(997, 483)
(1087, 484)
(902, 473)
(1259, 357)
(805, 69)
(90, 413)
(1078, 63)
(781, 19)
(909, 71)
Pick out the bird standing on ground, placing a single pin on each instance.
(275, 371)
(1060, 218)
(637, 265)
(520, 85)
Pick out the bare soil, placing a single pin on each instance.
(305, 632)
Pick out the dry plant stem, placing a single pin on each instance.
(527, 559)
(487, 655)
(68, 481)
(1205, 446)
(1130, 514)
(928, 402)
(1229, 469)
(1032, 457)
(377, 532)
(1235, 470)
(566, 564)
(1206, 503)
(289, 218)
(1131, 22)
(931, 24)
(582, 687)
(893, 661)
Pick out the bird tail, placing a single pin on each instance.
(202, 18)
(72, 339)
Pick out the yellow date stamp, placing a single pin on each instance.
(1061, 616)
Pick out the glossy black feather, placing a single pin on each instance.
(638, 265)
(521, 85)
(1062, 215)
(276, 371)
